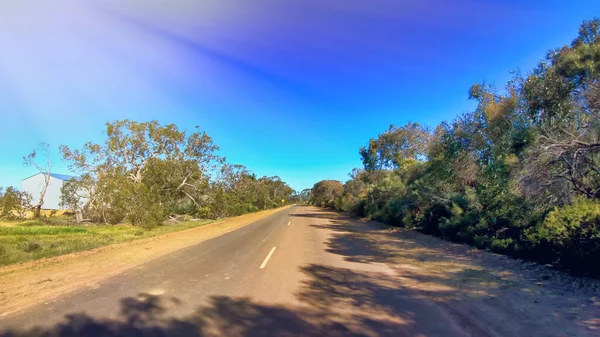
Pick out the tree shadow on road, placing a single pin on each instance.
(335, 302)
(225, 316)
(499, 294)
(366, 295)
(325, 288)
(320, 214)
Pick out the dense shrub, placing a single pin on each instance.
(240, 209)
(519, 175)
(144, 172)
(570, 237)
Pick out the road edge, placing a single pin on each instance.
(35, 282)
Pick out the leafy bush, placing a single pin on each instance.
(570, 237)
(146, 217)
(518, 175)
(14, 203)
(244, 208)
(185, 207)
(203, 212)
(501, 245)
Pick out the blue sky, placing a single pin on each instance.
(288, 88)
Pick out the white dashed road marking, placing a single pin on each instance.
(267, 258)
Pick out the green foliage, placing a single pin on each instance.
(26, 229)
(325, 193)
(570, 236)
(203, 212)
(28, 240)
(145, 172)
(14, 203)
(519, 175)
(396, 145)
(144, 208)
(239, 209)
(302, 197)
(570, 222)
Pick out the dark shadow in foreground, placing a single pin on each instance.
(145, 315)
(324, 292)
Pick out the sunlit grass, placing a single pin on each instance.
(32, 240)
(40, 230)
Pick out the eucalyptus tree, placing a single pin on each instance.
(43, 166)
(395, 146)
(141, 172)
(14, 203)
(563, 102)
(325, 192)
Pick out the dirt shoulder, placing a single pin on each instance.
(34, 282)
(486, 293)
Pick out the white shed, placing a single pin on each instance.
(35, 184)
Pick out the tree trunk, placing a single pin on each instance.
(78, 216)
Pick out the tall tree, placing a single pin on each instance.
(14, 203)
(44, 166)
(398, 144)
(325, 192)
(142, 171)
(563, 102)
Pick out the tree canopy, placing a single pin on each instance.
(519, 175)
(145, 172)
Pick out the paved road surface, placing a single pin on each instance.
(276, 277)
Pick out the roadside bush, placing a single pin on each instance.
(204, 212)
(114, 216)
(397, 209)
(14, 203)
(330, 204)
(518, 175)
(499, 245)
(185, 207)
(144, 209)
(433, 216)
(570, 237)
(240, 209)
(146, 217)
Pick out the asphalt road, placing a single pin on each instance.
(279, 276)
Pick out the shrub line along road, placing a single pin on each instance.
(282, 275)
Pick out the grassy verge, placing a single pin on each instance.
(32, 240)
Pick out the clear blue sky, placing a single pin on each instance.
(288, 88)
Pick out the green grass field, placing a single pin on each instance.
(31, 240)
